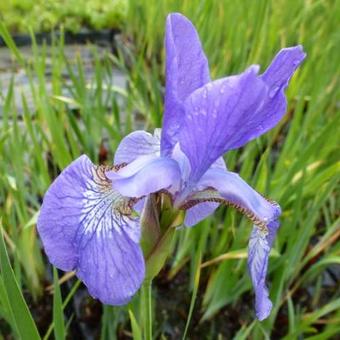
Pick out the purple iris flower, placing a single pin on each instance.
(88, 221)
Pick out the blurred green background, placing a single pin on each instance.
(57, 102)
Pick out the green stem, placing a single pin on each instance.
(147, 309)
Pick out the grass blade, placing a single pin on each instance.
(58, 315)
(22, 316)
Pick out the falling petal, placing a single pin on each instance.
(260, 244)
(86, 226)
(231, 189)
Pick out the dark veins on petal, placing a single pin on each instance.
(211, 195)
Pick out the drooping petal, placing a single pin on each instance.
(199, 212)
(202, 210)
(227, 113)
(145, 175)
(136, 144)
(220, 186)
(260, 244)
(228, 187)
(86, 226)
(186, 70)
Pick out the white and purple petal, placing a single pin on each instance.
(186, 70)
(86, 226)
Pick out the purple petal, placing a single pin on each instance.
(227, 113)
(199, 212)
(274, 106)
(232, 188)
(186, 70)
(260, 243)
(211, 113)
(136, 144)
(85, 226)
(183, 162)
(283, 67)
(145, 175)
(202, 210)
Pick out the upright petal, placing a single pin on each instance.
(186, 70)
(145, 175)
(260, 244)
(214, 115)
(136, 144)
(227, 113)
(86, 226)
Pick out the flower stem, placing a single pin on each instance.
(147, 309)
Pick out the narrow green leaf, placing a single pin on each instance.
(22, 316)
(58, 315)
(136, 331)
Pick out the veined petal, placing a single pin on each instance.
(213, 115)
(274, 106)
(227, 113)
(260, 244)
(220, 186)
(283, 67)
(136, 144)
(145, 175)
(86, 226)
(186, 70)
(229, 188)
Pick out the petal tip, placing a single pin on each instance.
(264, 312)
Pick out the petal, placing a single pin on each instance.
(233, 190)
(283, 67)
(202, 210)
(136, 144)
(186, 70)
(199, 212)
(145, 175)
(183, 162)
(274, 106)
(227, 113)
(259, 247)
(212, 117)
(85, 226)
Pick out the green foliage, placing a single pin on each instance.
(296, 164)
(12, 299)
(42, 15)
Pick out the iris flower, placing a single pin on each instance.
(88, 221)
